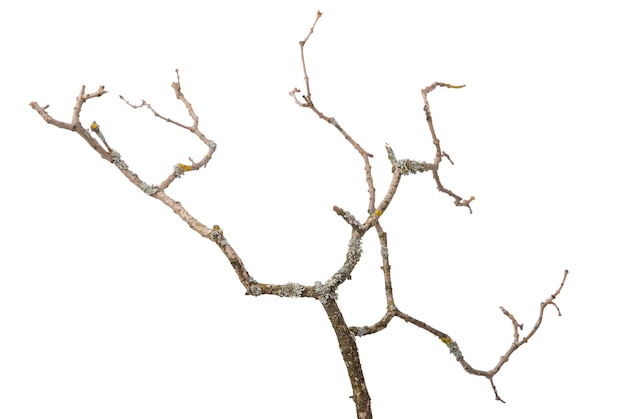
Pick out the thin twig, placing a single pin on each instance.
(179, 168)
(454, 347)
(458, 201)
(306, 76)
(308, 102)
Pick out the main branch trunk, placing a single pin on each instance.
(350, 354)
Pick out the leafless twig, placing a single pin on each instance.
(458, 201)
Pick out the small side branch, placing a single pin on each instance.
(307, 97)
(215, 234)
(453, 346)
(307, 102)
(180, 168)
(75, 125)
(439, 154)
(517, 342)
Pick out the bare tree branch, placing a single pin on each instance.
(454, 347)
(325, 292)
(180, 168)
(308, 103)
(75, 124)
(458, 201)
(399, 168)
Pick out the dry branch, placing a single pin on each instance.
(326, 291)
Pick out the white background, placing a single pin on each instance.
(110, 306)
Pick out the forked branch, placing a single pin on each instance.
(399, 168)
(215, 234)
(326, 291)
(439, 154)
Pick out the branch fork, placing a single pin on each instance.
(326, 291)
